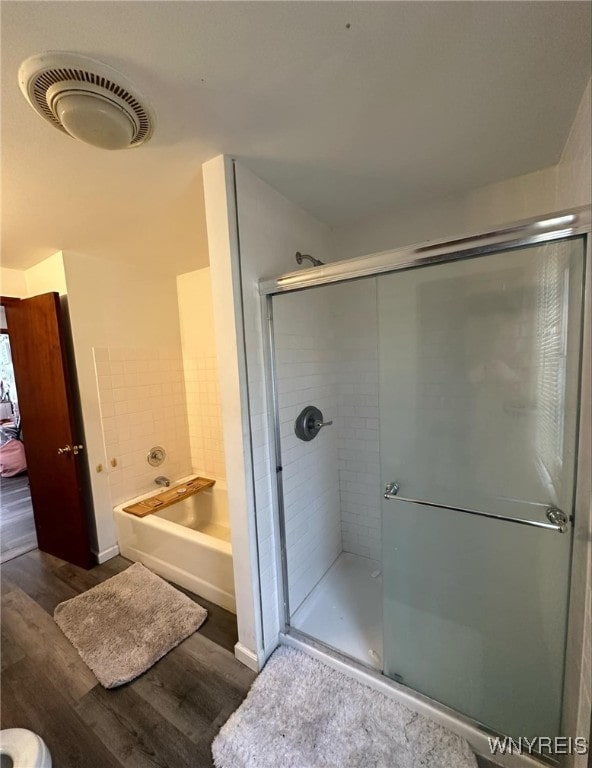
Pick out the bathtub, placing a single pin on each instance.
(187, 543)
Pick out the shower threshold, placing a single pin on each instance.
(477, 734)
(344, 610)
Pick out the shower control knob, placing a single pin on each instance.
(309, 423)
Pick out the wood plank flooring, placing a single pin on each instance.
(17, 525)
(167, 718)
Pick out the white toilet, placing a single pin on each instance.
(20, 748)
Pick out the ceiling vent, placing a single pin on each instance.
(86, 99)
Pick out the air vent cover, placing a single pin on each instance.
(86, 99)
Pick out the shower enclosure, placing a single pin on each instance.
(427, 506)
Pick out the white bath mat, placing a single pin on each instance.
(123, 626)
(300, 713)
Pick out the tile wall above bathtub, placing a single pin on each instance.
(202, 384)
(142, 402)
(205, 416)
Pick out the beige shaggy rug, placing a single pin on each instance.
(300, 713)
(123, 626)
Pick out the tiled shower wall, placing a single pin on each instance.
(354, 318)
(326, 346)
(142, 402)
(306, 376)
(205, 415)
(200, 363)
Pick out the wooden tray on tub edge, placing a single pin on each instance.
(168, 497)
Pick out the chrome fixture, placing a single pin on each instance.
(575, 221)
(162, 480)
(309, 423)
(156, 456)
(391, 490)
(315, 262)
(558, 520)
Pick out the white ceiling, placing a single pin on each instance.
(413, 101)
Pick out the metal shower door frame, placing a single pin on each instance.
(535, 231)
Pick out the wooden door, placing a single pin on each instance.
(50, 434)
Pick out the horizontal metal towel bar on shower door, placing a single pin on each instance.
(558, 520)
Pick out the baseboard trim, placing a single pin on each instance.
(249, 658)
(107, 554)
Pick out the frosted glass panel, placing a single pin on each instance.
(478, 403)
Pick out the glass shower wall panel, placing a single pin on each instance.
(475, 614)
(479, 378)
(479, 385)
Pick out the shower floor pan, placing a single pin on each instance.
(344, 610)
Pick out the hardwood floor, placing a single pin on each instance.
(167, 718)
(17, 526)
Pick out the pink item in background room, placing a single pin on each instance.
(12, 458)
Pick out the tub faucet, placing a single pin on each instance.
(162, 480)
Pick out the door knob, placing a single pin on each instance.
(75, 449)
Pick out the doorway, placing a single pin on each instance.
(47, 417)
(17, 523)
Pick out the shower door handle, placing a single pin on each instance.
(558, 519)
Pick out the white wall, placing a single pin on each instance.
(225, 270)
(134, 316)
(510, 200)
(13, 283)
(574, 171)
(47, 276)
(565, 185)
(271, 230)
(200, 367)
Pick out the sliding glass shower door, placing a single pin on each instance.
(479, 370)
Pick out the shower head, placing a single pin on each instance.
(301, 256)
